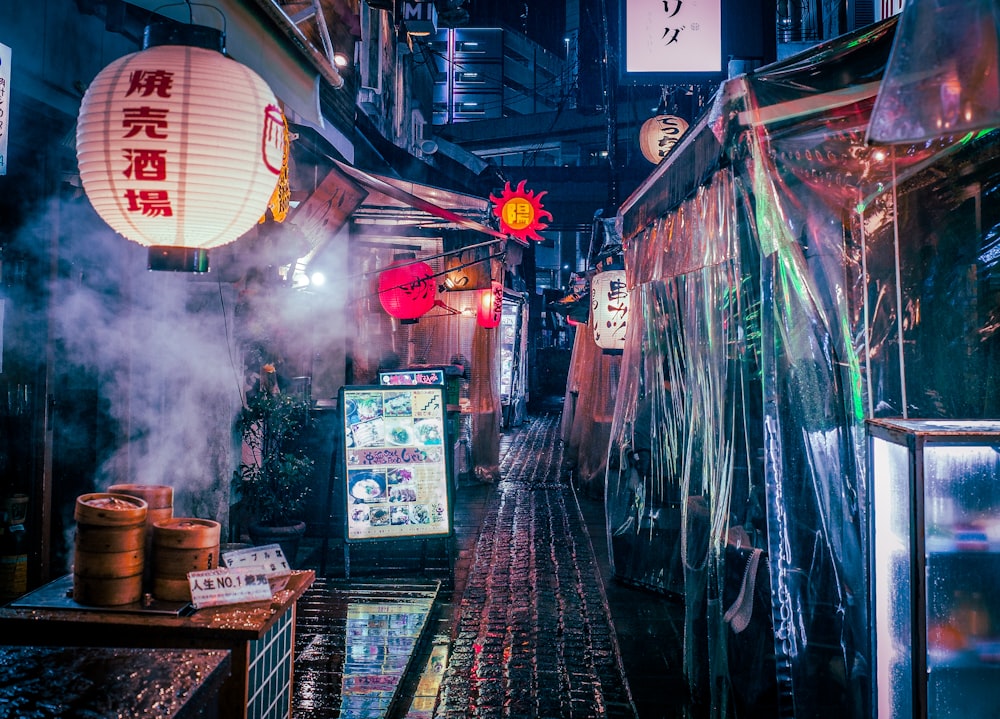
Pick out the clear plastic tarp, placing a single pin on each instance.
(807, 281)
(588, 409)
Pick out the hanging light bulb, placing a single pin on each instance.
(943, 73)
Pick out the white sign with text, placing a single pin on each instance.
(673, 36)
(215, 587)
(4, 105)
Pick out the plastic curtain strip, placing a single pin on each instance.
(588, 409)
(813, 282)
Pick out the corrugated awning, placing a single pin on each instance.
(403, 193)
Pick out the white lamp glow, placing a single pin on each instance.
(179, 148)
(609, 306)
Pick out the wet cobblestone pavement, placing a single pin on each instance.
(534, 636)
(520, 625)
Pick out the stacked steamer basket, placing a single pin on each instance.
(159, 499)
(109, 549)
(182, 545)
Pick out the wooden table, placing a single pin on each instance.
(53, 682)
(260, 637)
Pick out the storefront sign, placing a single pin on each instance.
(659, 135)
(673, 36)
(329, 207)
(468, 270)
(489, 307)
(180, 146)
(4, 104)
(406, 289)
(397, 463)
(520, 212)
(215, 587)
(412, 378)
(420, 17)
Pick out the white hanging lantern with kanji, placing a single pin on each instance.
(180, 147)
(609, 309)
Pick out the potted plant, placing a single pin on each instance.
(273, 475)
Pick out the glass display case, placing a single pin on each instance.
(935, 567)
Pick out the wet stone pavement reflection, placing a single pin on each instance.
(534, 636)
(525, 620)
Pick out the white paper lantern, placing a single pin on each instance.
(659, 134)
(609, 309)
(179, 147)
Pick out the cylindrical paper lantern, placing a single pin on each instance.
(609, 309)
(179, 146)
(490, 306)
(659, 134)
(406, 289)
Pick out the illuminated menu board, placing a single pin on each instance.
(396, 462)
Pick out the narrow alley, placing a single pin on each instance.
(529, 625)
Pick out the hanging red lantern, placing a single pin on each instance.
(490, 306)
(406, 288)
(180, 148)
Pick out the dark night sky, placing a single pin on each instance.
(546, 19)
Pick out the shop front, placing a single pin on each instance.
(789, 280)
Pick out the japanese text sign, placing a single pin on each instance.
(673, 36)
(609, 306)
(397, 462)
(4, 105)
(215, 587)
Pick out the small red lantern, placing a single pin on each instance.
(490, 308)
(406, 289)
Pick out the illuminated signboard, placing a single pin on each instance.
(412, 378)
(4, 104)
(396, 462)
(672, 36)
(520, 212)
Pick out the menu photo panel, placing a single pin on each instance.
(396, 463)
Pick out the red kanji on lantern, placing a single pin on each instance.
(406, 289)
(490, 309)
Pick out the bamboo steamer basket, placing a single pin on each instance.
(182, 545)
(160, 501)
(109, 549)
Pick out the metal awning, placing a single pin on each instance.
(393, 195)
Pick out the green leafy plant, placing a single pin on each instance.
(274, 476)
